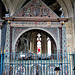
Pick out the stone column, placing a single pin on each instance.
(30, 46)
(3, 34)
(7, 44)
(0, 33)
(44, 43)
(13, 49)
(52, 47)
(58, 51)
(64, 51)
(7, 47)
(34, 42)
(31, 41)
(28, 38)
(74, 34)
(74, 26)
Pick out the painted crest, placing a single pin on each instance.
(36, 8)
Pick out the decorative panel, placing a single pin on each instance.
(64, 51)
(36, 8)
(7, 48)
(34, 24)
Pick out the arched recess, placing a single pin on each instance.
(24, 31)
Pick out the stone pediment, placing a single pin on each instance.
(35, 8)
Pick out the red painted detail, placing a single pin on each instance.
(39, 50)
(39, 40)
(60, 27)
(64, 45)
(50, 58)
(7, 65)
(35, 22)
(58, 55)
(65, 56)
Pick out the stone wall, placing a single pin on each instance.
(69, 35)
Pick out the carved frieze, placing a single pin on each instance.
(35, 24)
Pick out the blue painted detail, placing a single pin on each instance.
(1, 63)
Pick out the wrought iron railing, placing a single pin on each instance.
(34, 64)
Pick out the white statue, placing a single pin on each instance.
(62, 15)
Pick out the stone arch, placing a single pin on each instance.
(56, 42)
(67, 7)
(6, 7)
(2, 9)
